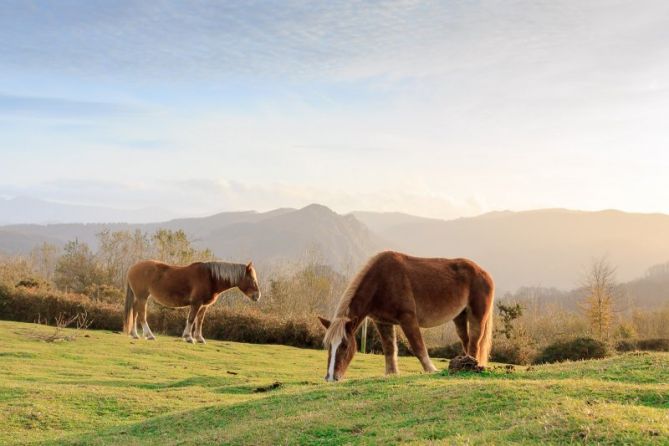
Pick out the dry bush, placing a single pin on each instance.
(79, 322)
(449, 351)
(653, 345)
(651, 324)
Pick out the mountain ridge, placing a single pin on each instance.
(541, 247)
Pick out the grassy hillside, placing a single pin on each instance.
(102, 388)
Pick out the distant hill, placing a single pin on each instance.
(548, 248)
(277, 236)
(543, 247)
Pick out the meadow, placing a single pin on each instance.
(103, 388)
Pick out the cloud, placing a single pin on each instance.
(436, 108)
(342, 40)
(12, 105)
(204, 197)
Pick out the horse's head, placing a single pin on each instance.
(249, 283)
(341, 345)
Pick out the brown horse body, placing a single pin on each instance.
(196, 286)
(412, 292)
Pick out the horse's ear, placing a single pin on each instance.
(249, 266)
(324, 322)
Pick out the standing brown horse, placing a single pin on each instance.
(196, 285)
(412, 292)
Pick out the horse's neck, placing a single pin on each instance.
(358, 308)
(224, 284)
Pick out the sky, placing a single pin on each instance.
(441, 109)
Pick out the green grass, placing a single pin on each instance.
(103, 388)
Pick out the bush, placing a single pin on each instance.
(374, 341)
(513, 352)
(573, 350)
(249, 325)
(446, 351)
(654, 345)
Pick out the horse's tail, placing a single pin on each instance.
(128, 319)
(486, 340)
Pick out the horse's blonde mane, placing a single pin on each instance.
(231, 272)
(337, 329)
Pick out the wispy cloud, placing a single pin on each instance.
(13, 105)
(317, 40)
(190, 197)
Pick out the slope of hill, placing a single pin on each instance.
(103, 388)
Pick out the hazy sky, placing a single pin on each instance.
(435, 108)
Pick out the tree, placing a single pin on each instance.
(44, 258)
(77, 269)
(509, 313)
(601, 290)
(118, 251)
(175, 247)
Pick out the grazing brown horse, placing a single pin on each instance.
(196, 286)
(412, 292)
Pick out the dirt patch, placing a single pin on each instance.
(267, 388)
(464, 364)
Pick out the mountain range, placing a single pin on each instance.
(550, 248)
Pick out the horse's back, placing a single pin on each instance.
(437, 288)
(430, 269)
(153, 271)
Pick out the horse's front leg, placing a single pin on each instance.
(389, 344)
(197, 329)
(411, 329)
(187, 334)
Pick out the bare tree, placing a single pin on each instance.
(117, 252)
(599, 303)
(44, 258)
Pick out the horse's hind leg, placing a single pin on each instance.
(187, 334)
(477, 321)
(134, 318)
(140, 311)
(133, 329)
(199, 319)
(460, 322)
(411, 329)
(389, 344)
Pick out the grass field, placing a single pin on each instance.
(103, 388)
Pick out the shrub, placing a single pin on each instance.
(446, 351)
(244, 325)
(374, 341)
(573, 350)
(655, 345)
(513, 352)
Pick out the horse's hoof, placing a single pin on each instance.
(188, 339)
(150, 338)
(201, 341)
